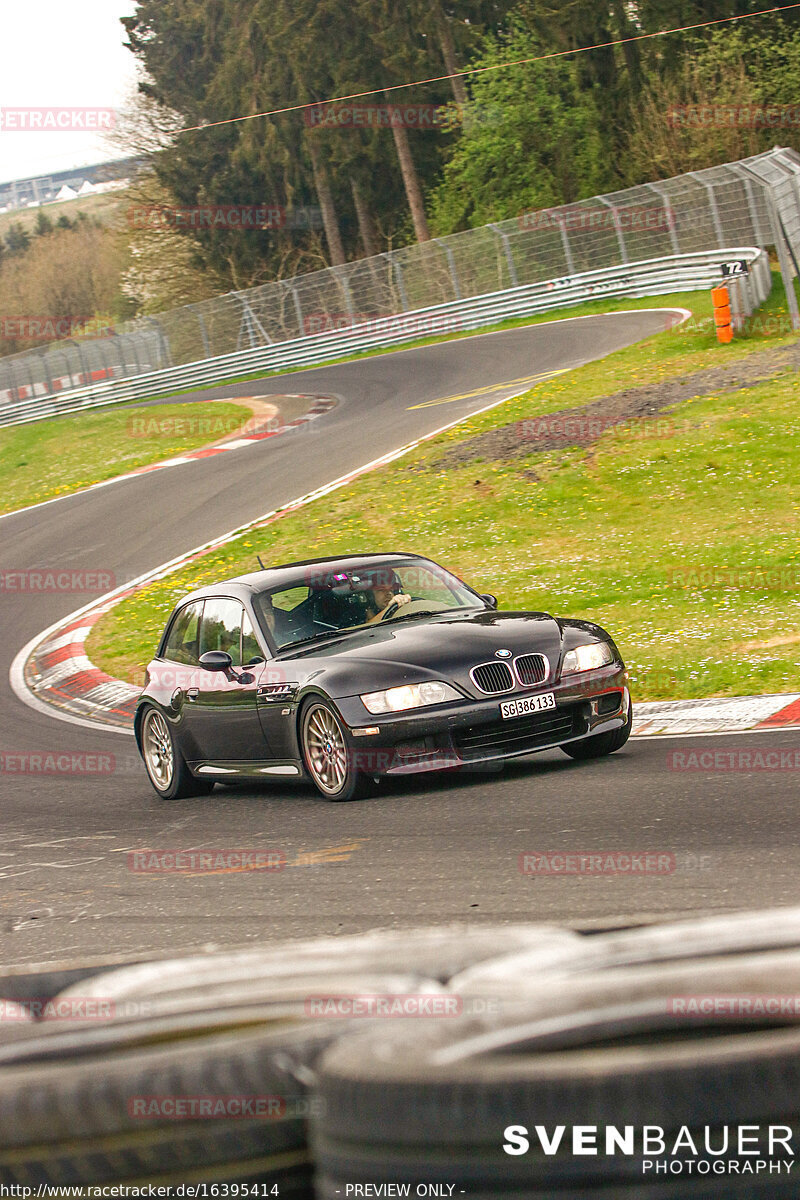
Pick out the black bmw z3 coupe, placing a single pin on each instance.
(343, 670)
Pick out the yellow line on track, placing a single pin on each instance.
(485, 391)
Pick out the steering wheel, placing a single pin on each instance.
(390, 610)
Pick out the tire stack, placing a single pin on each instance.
(612, 1041)
(94, 1103)
(542, 1027)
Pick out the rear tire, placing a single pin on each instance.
(330, 763)
(602, 743)
(165, 765)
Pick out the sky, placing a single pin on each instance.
(61, 54)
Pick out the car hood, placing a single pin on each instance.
(441, 647)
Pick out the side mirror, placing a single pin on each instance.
(489, 599)
(216, 660)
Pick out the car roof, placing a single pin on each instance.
(243, 586)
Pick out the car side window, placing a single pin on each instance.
(250, 646)
(182, 641)
(221, 628)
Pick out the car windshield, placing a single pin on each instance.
(325, 601)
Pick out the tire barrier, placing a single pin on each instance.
(275, 1065)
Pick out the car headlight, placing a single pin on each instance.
(411, 695)
(587, 658)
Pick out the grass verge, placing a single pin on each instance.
(773, 315)
(682, 543)
(48, 458)
(52, 458)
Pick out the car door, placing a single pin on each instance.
(174, 673)
(221, 708)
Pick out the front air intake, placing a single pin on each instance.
(492, 678)
(531, 669)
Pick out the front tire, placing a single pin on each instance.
(165, 765)
(328, 759)
(602, 743)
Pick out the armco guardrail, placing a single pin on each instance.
(652, 277)
(754, 202)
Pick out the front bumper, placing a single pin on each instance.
(473, 732)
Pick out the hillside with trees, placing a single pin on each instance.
(483, 146)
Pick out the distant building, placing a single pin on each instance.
(46, 189)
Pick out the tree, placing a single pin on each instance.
(731, 72)
(43, 225)
(17, 239)
(71, 273)
(538, 139)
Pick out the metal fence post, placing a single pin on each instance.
(46, 370)
(451, 262)
(11, 379)
(83, 361)
(781, 244)
(562, 225)
(673, 233)
(298, 307)
(617, 226)
(340, 275)
(162, 339)
(203, 331)
(401, 286)
(512, 266)
(712, 203)
(250, 322)
(741, 173)
(134, 339)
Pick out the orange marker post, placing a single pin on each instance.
(720, 298)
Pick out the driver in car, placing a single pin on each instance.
(387, 592)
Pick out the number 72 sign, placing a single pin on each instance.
(737, 267)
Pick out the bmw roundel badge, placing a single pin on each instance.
(503, 653)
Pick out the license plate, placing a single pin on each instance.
(527, 704)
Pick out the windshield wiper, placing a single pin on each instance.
(318, 637)
(425, 612)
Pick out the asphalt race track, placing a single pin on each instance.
(447, 848)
